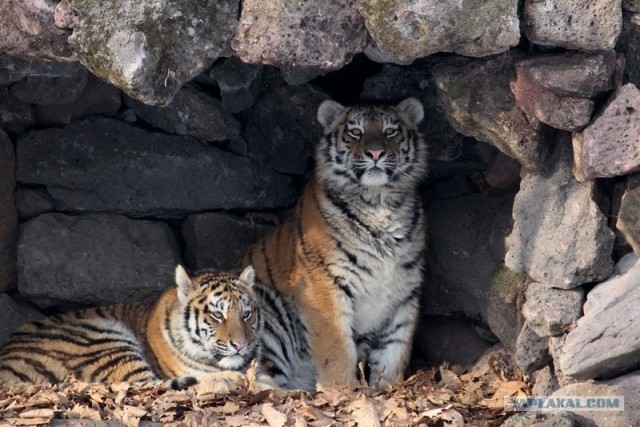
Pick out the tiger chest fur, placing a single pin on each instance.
(351, 255)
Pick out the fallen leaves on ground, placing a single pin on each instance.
(434, 397)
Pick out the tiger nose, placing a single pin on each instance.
(238, 345)
(375, 154)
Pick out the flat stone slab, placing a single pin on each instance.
(606, 340)
(109, 166)
(587, 25)
(91, 260)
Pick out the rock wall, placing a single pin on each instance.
(136, 135)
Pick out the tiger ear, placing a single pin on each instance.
(183, 281)
(248, 276)
(412, 109)
(327, 113)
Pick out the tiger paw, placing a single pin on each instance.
(182, 383)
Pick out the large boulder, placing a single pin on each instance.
(560, 237)
(238, 82)
(557, 88)
(107, 165)
(587, 25)
(551, 312)
(314, 33)
(404, 31)
(28, 30)
(610, 145)
(150, 49)
(93, 260)
(8, 213)
(606, 340)
(478, 101)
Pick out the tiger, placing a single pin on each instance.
(348, 262)
(207, 322)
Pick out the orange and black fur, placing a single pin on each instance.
(349, 260)
(203, 324)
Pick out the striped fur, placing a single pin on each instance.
(203, 324)
(350, 257)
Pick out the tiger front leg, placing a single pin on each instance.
(388, 350)
(331, 341)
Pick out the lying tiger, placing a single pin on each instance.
(208, 322)
(348, 262)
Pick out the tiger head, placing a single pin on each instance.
(371, 145)
(220, 317)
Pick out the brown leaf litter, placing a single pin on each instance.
(443, 396)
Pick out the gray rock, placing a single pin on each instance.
(478, 102)
(94, 260)
(32, 202)
(8, 213)
(606, 340)
(191, 113)
(14, 314)
(409, 30)
(628, 221)
(15, 116)
(97, 97)
(150, 49)
(449, 339)
(219, 240)
(107, 165)
(43, 90)
(560, 237)
(464, 261)
(281, 129)
(28, 31)
(532, 350)
(585, 25)
(394, 83)
(549, 311)
(238, 83)
(14, 69)
(315, 33)
(544, 382)
(557, 88)
(541, 419)
(610, 145)
(625, 263)
(627, 386)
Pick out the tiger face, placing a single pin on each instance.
(371, 146)
(219, 317)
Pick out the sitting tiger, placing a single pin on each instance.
(348, 262)
(205, 323)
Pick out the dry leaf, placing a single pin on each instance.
(452, 418)
(274, 417)
(38, 413)
(509, 389)
(366, 415)
(83, 411)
